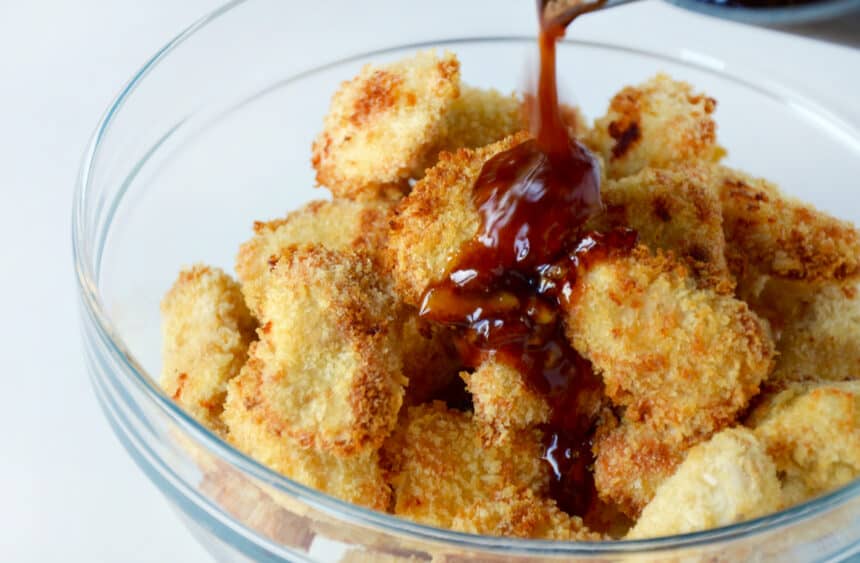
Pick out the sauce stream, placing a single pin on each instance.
(503, 294)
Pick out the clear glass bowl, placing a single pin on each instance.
(214, 132)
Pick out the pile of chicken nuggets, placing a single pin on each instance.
(727, 340)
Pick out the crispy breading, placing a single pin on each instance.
(676, 356)
(502, 400)
(356, 478)
(823, 341)
(770, 233)
(478, 117)
(519, 513)
(431, 224)
(331, 374)
(206, 329)
(430, 360)
(437, 464)
(673, 209)
(336, 225)
(571, 116)
(683, 362)
(727, 479)
(632, 459)
(382, 124)
(812, 432)
(657, 123)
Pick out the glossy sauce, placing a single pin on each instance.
(503, 294)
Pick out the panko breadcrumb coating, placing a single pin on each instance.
(438, 464)
(357, 479)
(336, 225)
(732, 288)
(823, 341)
(478, 117)
(727, 479)
(682, 360)
(206, 329)
(770, 233)
(812, 432)
(520, 513)
(383, 123)
(632, 459)
(432, 223)
(502, 399)
(655, 124)
(673, 209)
(331, 376)
(675, 355)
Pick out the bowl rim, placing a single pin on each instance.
(92, 308)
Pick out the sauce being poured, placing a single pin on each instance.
(504, 291)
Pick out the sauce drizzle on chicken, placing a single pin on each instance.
(503, 293)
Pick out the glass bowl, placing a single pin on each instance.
(214, 132)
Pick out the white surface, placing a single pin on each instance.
(68, 490)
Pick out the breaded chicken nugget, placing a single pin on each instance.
(336, 225)
(571, 116)
(438, 464)
(478, 117)
(502, 399)
(727, 479)
(655, 124)
(632, 459)
(382, 124)
(673, 209)
(770, 233)
(520, 513)
(823, 341)
(431, 224)
(206, 329)
(356, 479)
(674, 355)
(331, 375)
(812, 432)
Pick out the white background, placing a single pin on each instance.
(67, 489)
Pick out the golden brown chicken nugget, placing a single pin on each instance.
(812, 432)
(206, 329)
(431, 224)
(632, 459)
(822, 342)
(770, 233)
(382, 124)
(331, 374)
(673, 209)
(673, 354)
(437, 464)
(655, 124)
(502, 399)
(727, 479)
(520, 513)
(336, 225)
(478, 117)
(357, 479)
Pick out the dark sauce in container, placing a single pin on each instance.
(504, 292)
